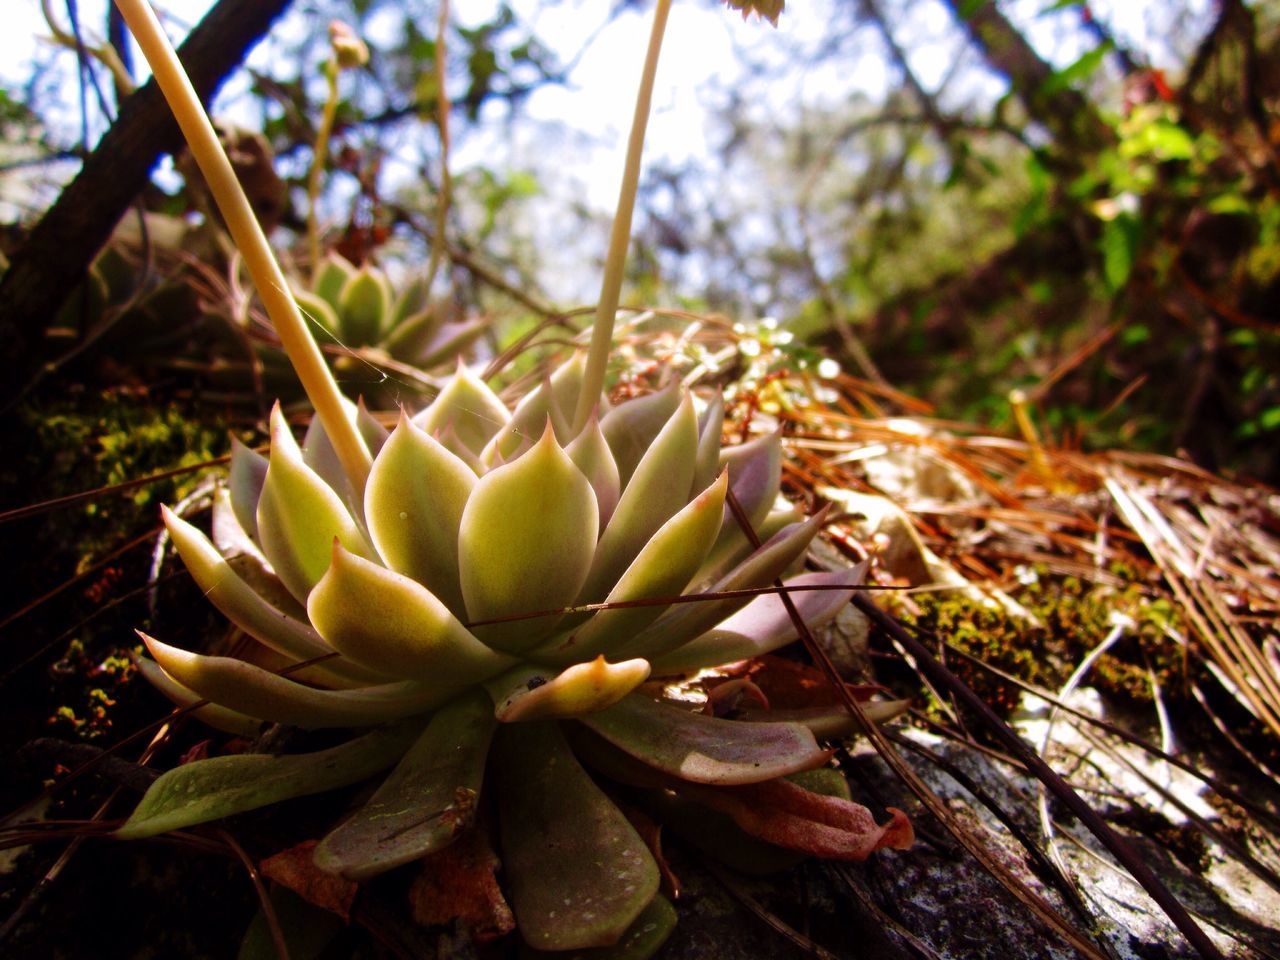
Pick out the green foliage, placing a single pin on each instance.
(1072, 616)
(88, 439)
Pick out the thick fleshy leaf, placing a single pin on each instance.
(319, 454)
(688, 620)
(308, 930)
(555, 400)
(299, 515)
(631, 427)
(212, 715)
(364, 307)
(702, 749)
(428, 799)
(413, 299)
(525, 544)
(248, 610)
(533, 693)
(731, 551)
(790, 816)
(764, 625)
(710, 426)
(247, 475)
(321, 316)
(396, 626)
(467, 405)
(646, 935)
(450, 340)
(578, 873)
(335, 270)
(657, 489)
(222, 786)
(370, 427)
(412, 332)
(251, 690)
(755, 472)
(663, 569)
(591, 454)
(413, 505)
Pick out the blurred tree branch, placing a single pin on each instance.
(55, 256)
(1071, 120)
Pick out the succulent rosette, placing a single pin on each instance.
(493, 608)
(358, 308)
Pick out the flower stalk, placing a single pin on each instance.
(620, 236)
(250, 240)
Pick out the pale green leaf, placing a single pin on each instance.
(710, 427)
(247, 609)
(662, 569)
(335, 270)
(534, 693)
(525, 544)
(364, 307)
(658, 488)
(468, 406)
(299, 515)
(256, 692)
(687, 620)
(247, 475)
(413, 504)
(212, 715)
(394, 625)
(591, 454)
(764, 624)
(631, 427)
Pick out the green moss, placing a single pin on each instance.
(81, 441)
(92, 439)
(1074, 616)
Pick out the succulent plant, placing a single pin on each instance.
(504, 584)
(357, 308)
(487, 594)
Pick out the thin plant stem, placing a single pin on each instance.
(319, 153)
(247, 233)
(442, 122)
(620, 236)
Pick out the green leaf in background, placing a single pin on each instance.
(1078, 71)
(1119, 247)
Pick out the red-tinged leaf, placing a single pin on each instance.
(460, 883)
(199, 752)
(293, 868)
(790, 816)
(790, 685)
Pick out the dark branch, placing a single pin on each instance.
(63, 244)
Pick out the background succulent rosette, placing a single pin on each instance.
(491, 614)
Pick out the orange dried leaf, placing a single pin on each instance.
(790, 816)
(460, 883)
(293, 868)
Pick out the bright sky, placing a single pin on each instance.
(699, 48)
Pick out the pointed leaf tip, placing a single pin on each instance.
(525, 543)
(580, 689)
